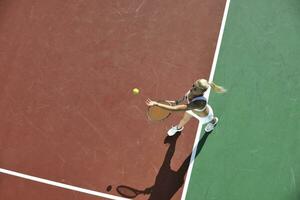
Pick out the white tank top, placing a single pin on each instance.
(196, 99)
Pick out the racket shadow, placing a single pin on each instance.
(168, 181)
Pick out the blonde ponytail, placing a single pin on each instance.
(217, 88)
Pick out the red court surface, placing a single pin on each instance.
(67, 112)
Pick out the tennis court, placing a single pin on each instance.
(70, 127)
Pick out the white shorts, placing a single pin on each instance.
(203, 120)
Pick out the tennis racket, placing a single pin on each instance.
(156, 113)
(128, 192)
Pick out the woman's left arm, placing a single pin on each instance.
(167, 107)
(181, 107)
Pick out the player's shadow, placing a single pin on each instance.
(168, 181)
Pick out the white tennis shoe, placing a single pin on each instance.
(172, 131)
(210, 126)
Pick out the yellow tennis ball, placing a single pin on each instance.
(135, 91)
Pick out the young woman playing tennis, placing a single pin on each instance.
(195, 101)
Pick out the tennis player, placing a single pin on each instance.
(195, 101)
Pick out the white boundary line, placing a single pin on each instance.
(61, 185)
(211, 77)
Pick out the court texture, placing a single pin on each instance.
(71, 129)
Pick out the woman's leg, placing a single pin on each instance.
(211, 121)
(186, 117)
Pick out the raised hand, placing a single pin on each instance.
(149, 102)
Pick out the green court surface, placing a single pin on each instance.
(254, 153)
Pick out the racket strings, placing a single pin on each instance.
(156, 113)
